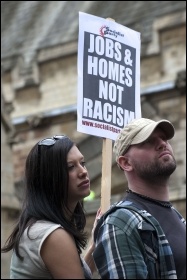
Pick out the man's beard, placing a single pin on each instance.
(156, 170)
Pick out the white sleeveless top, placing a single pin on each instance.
(32, 266)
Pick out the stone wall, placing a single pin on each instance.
(9, 202)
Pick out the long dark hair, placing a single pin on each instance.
(46, 194)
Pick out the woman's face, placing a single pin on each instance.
(79, 183)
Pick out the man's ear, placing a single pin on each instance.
(123, 162)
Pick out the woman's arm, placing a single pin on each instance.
(60, 255)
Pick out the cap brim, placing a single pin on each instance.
(145, 132)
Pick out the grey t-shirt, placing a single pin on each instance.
(172, 226)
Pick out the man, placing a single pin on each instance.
(144, 237)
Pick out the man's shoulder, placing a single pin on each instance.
(127, 216)
(124, 214)
(126, 206)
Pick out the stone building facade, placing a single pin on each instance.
(9, 202)
(39, 81)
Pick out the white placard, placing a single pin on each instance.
(108, 76)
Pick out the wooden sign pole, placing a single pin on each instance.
(106, 175)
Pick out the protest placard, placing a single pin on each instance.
(108, 76)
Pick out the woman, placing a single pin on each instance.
(49, 237)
